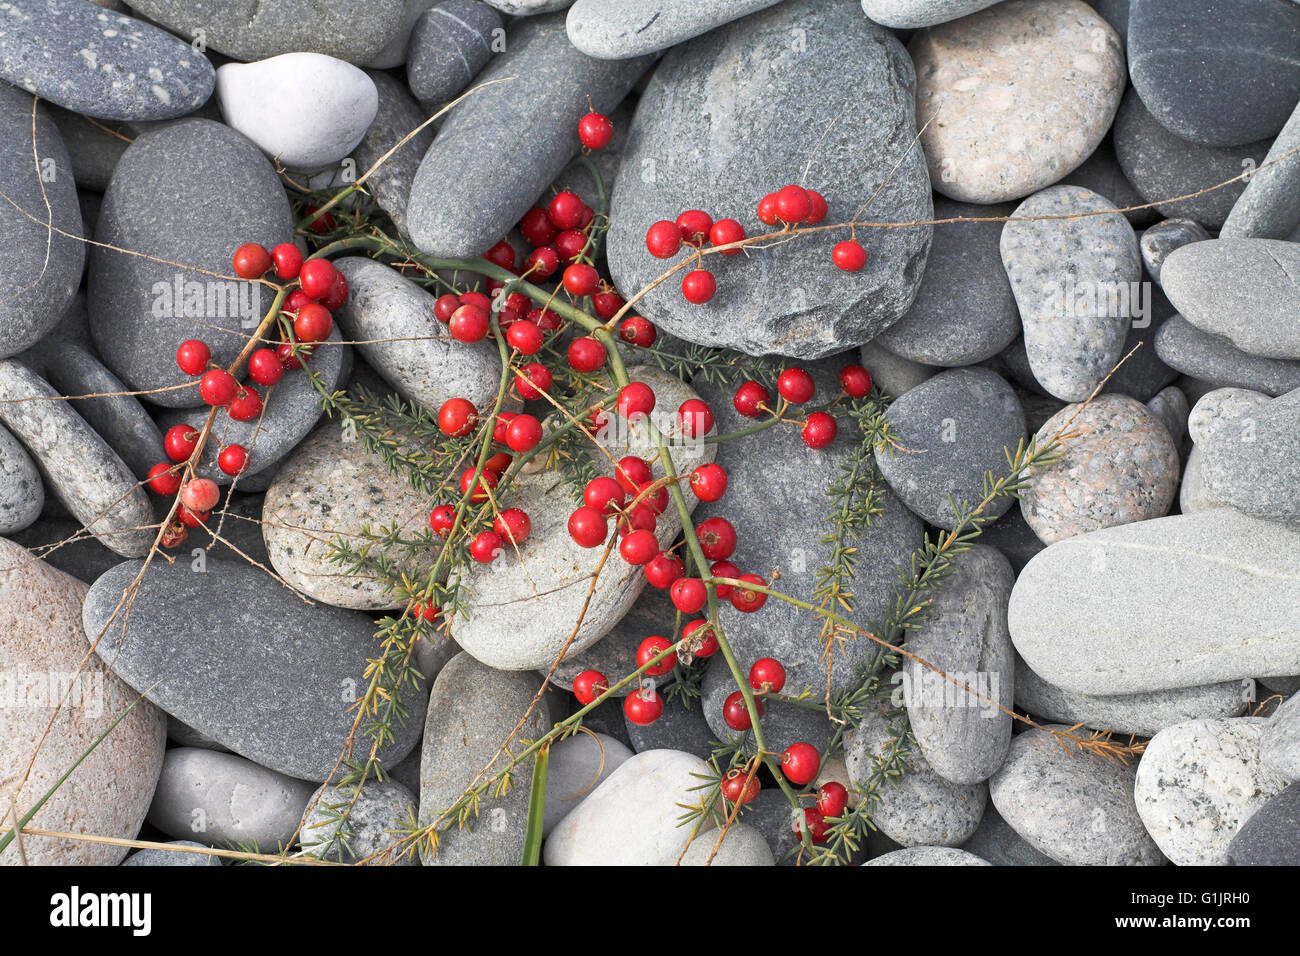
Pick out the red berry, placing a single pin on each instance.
(747, 599)
(849, 255)
(498, 463)
(313, 323)
(246, 405)
(523, 433)
(217, 386)
(487, 480)
(793, 204)
(738, 786)
(565, 210)
(191, 519)
(233, 459)
(595, 130)
(424, 611)
(321, 223)
(513, 525)
(695, 417)
(542, 262)
(749, 397)
(819, 430)
(295, 300)
(457, 417)
(635, 398)
(633, 473)
(586, 354)
(694, 225)
(588, 527)
(288, 260)
(162, 480)
(767, 210)
(606, 304)
(816, 824)
(735, 714)
(502, 254)
(536, 227)
(264, 367)
(533, 380)
(639, 547)
(485, 547)
(796, 386)
(581, 279)
(192, 356)
(656, 500)
(698, 286)
(200, 494)
(726, 231)
(800, 763)
(709, 644)
(444, 306)
(338, 293)
(855, 380)
(717, 538)
(832, 799)
(663, 569)
(179, 442)
(766, 675)
(651, 648)
(639, 517)
(569, 245)
(287, 359)
(589, 685)
(518, 302)
(317, 277)
(251, 260)
(526, 337)
(638, 331)
(643, 707)
(441, 520)
(709, 482)
(469, 323)
(476, 299)
(819, 208)
(500, 425)
(544, 319)
(688, 594)
(604, 494)
(663, 239)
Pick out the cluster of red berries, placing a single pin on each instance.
(796, 386)
(321, 288)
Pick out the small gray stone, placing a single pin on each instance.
(472, 711)
(1269, 207)
(22, 495)
(1271, 837)
(1074, 280)
(1075, 807)
(1192, 496)
(1222, 410)
(1252, 463)
(893, 374)
(371, 824)
(996, 842)
(420, 359)
(101, 64)
(952, 430)
(1215, 359)
(927, 856)
(616, 30)
(152, 856)
(742, 846)
(1280, 748)
(964, 736)
(292, 719)
(394, 52)
(1164, 237)
(917, 808)
(1141, 592)
(86, 475)
(226, 799)
(541, 105)
(450, 44)
(579, 764)
(1171, 407)
(398, 116)
(910, 14)
(1198, 782)
(352, 30)
(1119, 466)
(1143, 714)
(964, 311)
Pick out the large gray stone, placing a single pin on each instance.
(1269, 207)
(1213, 358)
(1172, 602)
(280, 684)
(909, 14)
(450, 44)
(999, 844)
(22, 494)
(757, 115)
(399, 115)
(616, 30)
(1271, 837)
(1252, 462)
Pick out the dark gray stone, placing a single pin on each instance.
(100, 63)
(1214, 358)
(997, 843)
(451, 42)
(1269, 208)
(371, 823)
(1216, 72)
(465, 197)
(21, 493)
(751, 130)
(65, 544)
(277, 687)
(964, 311)
(1101, 173)
(1164, 237)
(1271, 837)
(952, 430)
(137, 315)
(614, 30)
(398, 116)
(93, 149)
(1012, 536)
(1162, 166)
(44, 267)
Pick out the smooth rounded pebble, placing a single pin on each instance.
(347, 827)
(742, 846)
(928, 856)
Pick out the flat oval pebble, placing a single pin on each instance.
(369, 824)
(1271, 837)
(291, 718)
(141, 310)
(22, 493)
(741, 846)
(152, 856)
(1015, 96)
(614, 30)
(42, 649)
(579, 764)
(331, 488)
(927, 856)
(1075, 282)
(306, 110)
(1077, 808)
(1172, 602)
(951, 430)
(101, 64)
(223, 799)
(451, 42)
(1119, 465)
(1269, 206)
(82, 471)
(1198, 782)
(1213, 358)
